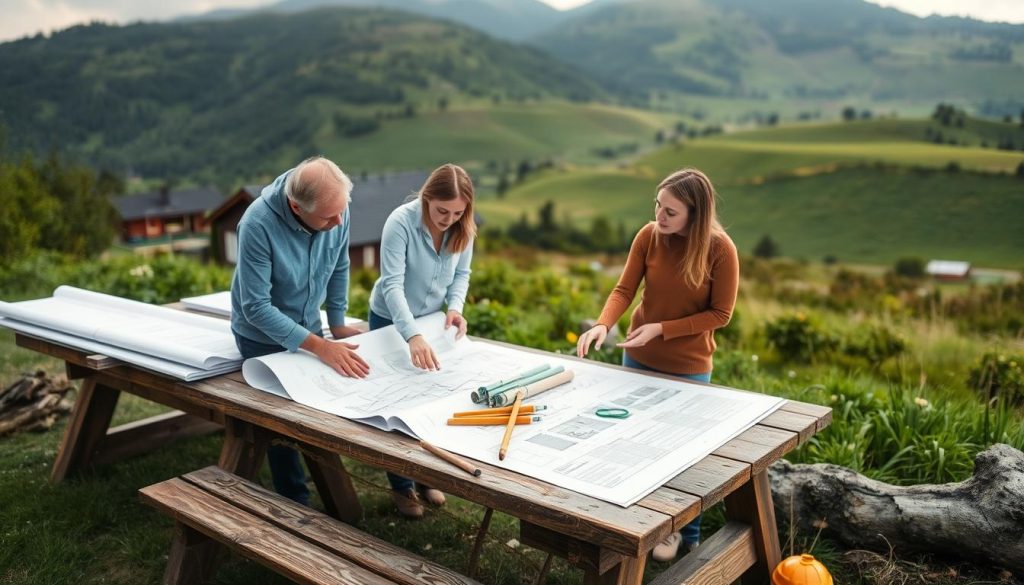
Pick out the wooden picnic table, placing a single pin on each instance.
(608, 542)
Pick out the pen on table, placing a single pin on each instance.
(470, 421)
(504, 410)
(454, 460)
(503, 450)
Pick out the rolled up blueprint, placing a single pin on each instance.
(480, 395)
(519, 383)
(538, 387)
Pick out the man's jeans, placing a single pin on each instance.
(285, 464)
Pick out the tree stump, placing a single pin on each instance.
(33, 403)
(980, 519)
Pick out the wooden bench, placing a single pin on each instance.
(720, 560)
(212, 506)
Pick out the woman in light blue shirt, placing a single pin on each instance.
(425, 252)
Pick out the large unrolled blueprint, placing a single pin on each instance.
(185, 345)
(672, 424)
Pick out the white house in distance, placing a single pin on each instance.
(948, 269)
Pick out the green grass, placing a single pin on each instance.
(503, 133)
(92, 528)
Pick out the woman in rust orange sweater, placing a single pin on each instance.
(690, 271)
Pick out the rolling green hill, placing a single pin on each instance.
(233, 98)
(789, 50)
(505, 133)
(868, 199)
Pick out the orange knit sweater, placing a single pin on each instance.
(688, 315)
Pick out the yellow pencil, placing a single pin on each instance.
(491, 420)
(503, 450)
(504, 410)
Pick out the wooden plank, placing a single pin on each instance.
(711, 479)
(681, 506)
(63, 352)
(333, 484)
(580, 554)
(151, 433)
(803, 425)
(822, 413)
(719, 560)
(252, 537)
(87, 426)
(371, 553)
(759, 446)
(752, 505)
(102, 362)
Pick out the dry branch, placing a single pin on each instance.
(33, 403)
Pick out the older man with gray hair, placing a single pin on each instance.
(293, 258)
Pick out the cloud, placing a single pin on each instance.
(27, 17)
(992, 10)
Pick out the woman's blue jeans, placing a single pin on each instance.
(691, 532)
(285, 464)
(398, 483)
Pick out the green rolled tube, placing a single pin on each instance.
(501, 398)
(480, 395)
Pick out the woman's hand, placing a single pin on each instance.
(455, 318)
(596, 333)
(422, 354)
(641, 335)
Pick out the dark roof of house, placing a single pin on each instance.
(158, 204)
(375, 197)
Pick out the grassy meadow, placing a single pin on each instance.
(866, 191)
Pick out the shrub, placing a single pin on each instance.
(999, 375)
(798, 337)
(874, 343)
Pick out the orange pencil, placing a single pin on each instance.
(491, 420)
(503, 450)
(504, 410)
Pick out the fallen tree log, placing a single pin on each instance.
(980, 519)
(33, 403)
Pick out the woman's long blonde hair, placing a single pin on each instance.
(694, 189)
(447, 183)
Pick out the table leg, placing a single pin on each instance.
(752, 505)
(87, 427)
(629, 572)
(193, 557)
(244, 448)
(333, 483)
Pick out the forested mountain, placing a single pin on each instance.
(234, 97)
(504, 19)
(791, 49)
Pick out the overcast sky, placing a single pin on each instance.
(27, 17)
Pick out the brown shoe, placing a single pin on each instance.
(408, 504)
(430, 495)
